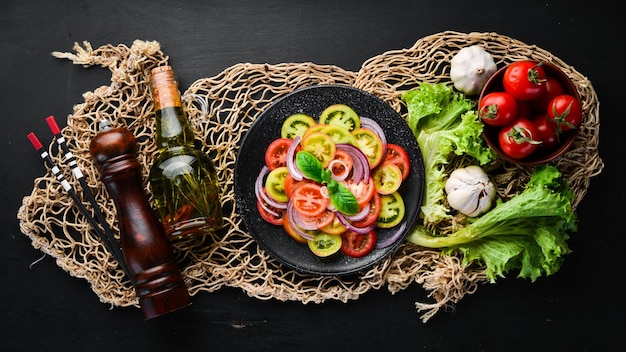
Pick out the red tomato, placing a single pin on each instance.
(372, 216)
(357, 245)
(549, 136)
(565, 111)
(363, 191)
(267, 216)
(524, 80)
(276, 153)
(399, 157)
(519, 139)
(308, 199)
(553, 88)
(497, 108)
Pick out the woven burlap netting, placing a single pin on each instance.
(221, 109)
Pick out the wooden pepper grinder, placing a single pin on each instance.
(147, 251)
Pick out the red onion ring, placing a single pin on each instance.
(345, 172)
(360, 215)
(361, 166)
(291, 214)
(291, 160)
(360, 230)
(393, 238)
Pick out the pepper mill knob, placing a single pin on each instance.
(147, 251)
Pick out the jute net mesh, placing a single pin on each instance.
(221, 109)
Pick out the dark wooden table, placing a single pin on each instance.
(43, 308)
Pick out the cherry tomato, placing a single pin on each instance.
(387, 178)
(547, 131)
(363, 191)
(324, 244)
(308, 199)
(372, 216)
(342, 115)
(398, 156)
(275, 184)
(391, 210)
(497, 108)
(565, 111)
(370, 144)
(288, 227)
(276, 153)
(519, 139)
(296, 125)
(276, 218)
(321, 146)
(524, 80)
(553, 88)
(357, 245)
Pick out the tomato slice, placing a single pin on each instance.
(275, 219)
(321, 146)
(296, 125)
(398, 156)
(291, 184)
(291, 232)
(357, 245)
(391, 210)
(338, 134)
(276, 153)
(372, 216)
(334, 228)
(342, 115)
(387, 178)
(324, 244)
(370, 144)
(275, 184)
(308, 199)
(363, 191)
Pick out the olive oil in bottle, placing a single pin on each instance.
(182, 178)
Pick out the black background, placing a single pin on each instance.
(580, 308)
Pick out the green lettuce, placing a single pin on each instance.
(443, 123)
(526, 233)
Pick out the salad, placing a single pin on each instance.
(332, 182)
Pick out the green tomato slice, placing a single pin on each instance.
(275, 184)
(324, 244)
(391, 210)
(339, 134)
(342, 115)
(296, 125)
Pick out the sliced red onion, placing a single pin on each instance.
(260, 194)
(361, 230)
(291, 213)
(360, 215)
(374, 126)
(291, 160)
(393, 238)
(361, 166)
(345, 172)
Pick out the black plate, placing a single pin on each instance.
(266, 128)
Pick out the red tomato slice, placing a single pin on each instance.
(372, 216)
(308, 199)
(363, 191)
(358, 245)
(291, 184)
(398, 156)
(267, 216)
(276, 153)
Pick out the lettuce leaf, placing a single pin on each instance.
(527, 233)
(443, 122)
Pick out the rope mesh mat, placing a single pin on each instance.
(221, 109)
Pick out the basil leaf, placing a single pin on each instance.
(344, 200)
(326, 174)
(309, 165)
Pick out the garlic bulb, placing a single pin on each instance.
(470, 69)
(470, 191)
